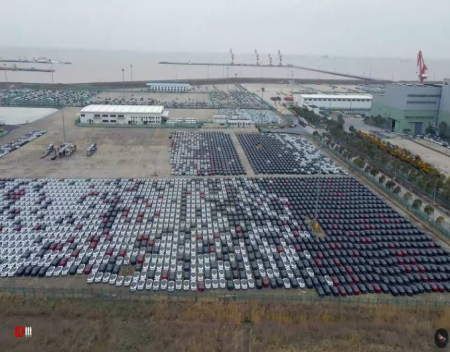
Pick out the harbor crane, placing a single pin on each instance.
(280, 56)
(422, 67)
(270, 60)
(257, 58)
(232, 56)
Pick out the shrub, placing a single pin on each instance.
(428, 210)
(382, 179)
(374, 172)
(390, 184)
(417, 204)
(368, 168)
(397, 190)
(407, 196)
(440, 220)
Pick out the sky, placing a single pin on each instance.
(372, 28)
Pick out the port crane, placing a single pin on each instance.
(232, 56)
(280, 56)
(422, 67)
(257, 58)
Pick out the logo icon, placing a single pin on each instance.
(23, 331)
(441, 338)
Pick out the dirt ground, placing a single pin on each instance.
(96, 325)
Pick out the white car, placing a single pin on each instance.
(164, 284)
(310, 272)
(244, 284)
(179, 285)
(112, 279)
(65, 271)
(237, 284)
(301, 282)
(57, 271)
(98, 277)
(251, 283)
(171, 286)
(286, 283)
(328, 280)
(215, 283)
(186, 285)
(208, 284)
(155, 285)
(127, 280)
(90, 278)
(149, 284)
(106, 277)
(119, 281)
(80, 269)
(141, 284)
(133, 286)
(49, 271)
(222, 283)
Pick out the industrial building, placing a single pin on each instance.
(123, 114)
(232, 121)
(354, 103)
(169, 87)
(411, 108)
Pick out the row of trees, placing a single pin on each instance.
(396, 189)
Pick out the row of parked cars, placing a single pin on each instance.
(276, 153)
(233, 233)
(204, 154)
(19, 142)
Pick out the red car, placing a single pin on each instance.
(342, 291)
(201, 286)
(377, 288)
(355, 289)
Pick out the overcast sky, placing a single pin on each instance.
(386, 28)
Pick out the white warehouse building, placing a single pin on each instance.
(169, 87)
(123, 114)
(360, 103)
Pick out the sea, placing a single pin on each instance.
(106, 66)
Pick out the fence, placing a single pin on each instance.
(419, 213)
(178, 125)
(220, 296)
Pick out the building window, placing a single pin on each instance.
(105, 121)
(112, 115)
(97, 115)
(82, 115)
(112, 121)
(121, 116)
(104, 115)
(425, 102)
(423, 96)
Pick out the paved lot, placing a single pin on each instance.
(438, 160)
(122, 152)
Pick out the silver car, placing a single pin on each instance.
(119, 281)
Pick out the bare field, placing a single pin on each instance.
(169, 325)
(122, 152)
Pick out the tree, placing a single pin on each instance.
(368, 168)
(352, 129)
(359, 162)
(382, 179)
(440, 220)
(315, 133)
(443, 130)
(397, 190)
(374, 172)
(417, 204)
(407, 196)
(428, 210)
(430, 129)
(390, 184)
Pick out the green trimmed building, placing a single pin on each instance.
(411, 108)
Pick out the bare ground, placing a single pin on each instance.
(95, 325)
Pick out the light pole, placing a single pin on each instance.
(64, 127)
(123, 82)
(6, 76)
(51, 69)
(131, 71)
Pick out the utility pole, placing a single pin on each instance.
(64, 127)
(131, 70)
(6, 76)
(123, 82)
(51, 68)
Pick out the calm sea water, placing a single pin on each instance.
(100, 66)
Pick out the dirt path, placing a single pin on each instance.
(245, 163)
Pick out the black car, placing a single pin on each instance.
(73, 270)
(42, 271)
(20, 271)
(258, 284)
(35, 271)
(230, 285)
